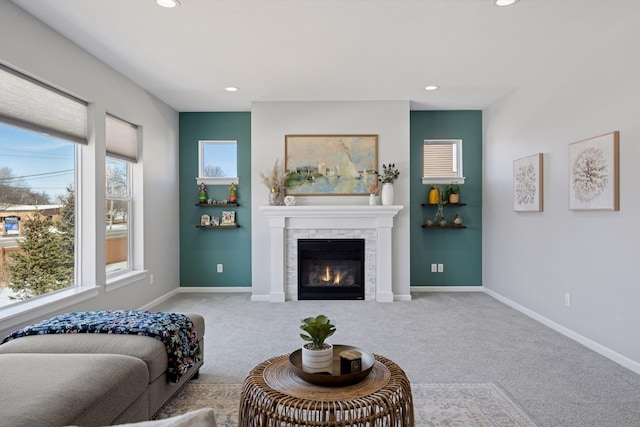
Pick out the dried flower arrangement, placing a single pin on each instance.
(276, 179)
(374, 188)
(389, 174)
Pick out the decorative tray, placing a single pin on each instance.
(335, 379)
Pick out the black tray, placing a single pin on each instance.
(336, 378)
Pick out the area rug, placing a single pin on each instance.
(468, 405)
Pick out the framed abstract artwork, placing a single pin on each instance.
(594, 173)
(331, 165)
(527, 184)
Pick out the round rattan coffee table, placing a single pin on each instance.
(273, 395)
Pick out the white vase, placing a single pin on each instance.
(387, 194)
(315, 361)
(374, 200)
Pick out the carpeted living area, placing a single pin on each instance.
(469, 405)
(437, 338)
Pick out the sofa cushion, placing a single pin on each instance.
(62, 389)
(148, 349)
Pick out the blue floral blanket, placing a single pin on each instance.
(176, 331)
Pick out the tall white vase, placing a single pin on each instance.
(387, 194)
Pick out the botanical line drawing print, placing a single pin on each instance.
(526, 184)
(589, 174)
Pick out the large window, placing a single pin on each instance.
(37, 214)
(41, 130)
(121, 144)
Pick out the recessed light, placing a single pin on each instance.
(504, 2)
(431, 87)
(231, 89)
(168, 3)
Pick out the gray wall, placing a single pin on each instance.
(32, 47)
(533, 259)
(271, 121)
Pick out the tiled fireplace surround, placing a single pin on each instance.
(287, 224)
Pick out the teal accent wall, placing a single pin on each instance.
(459, 250)
(202, 249)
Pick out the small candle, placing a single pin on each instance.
(350, 362)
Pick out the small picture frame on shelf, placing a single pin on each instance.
(228, 218)
(205, 220)
(215, 221)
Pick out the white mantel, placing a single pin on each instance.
(378, 220)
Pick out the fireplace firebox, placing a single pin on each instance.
(331, 269)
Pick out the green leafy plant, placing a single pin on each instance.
(317, 330)
(453, 189)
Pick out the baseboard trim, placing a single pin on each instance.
(447, 288)
(214, 289)
(598, 348)
(159, 300)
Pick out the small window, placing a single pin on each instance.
(442, 161)
(217, 162)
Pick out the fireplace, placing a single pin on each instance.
(331, 269)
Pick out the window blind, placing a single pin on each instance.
(36, 106)
(122, 139)
(439, 160)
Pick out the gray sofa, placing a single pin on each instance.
(86, 379)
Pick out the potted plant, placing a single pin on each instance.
(317, 355)
(453, 193)
(374, 197)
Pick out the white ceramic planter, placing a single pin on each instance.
(315, 361)
(387, 194)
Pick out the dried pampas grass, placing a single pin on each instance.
(276, 179)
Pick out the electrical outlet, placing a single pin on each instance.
(567, 299)
(440, 268)
(434, 268)
(219, 268)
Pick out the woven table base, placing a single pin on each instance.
(272, 395)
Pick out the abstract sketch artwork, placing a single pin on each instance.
(593, 173)
(331, 165)
(527, 184)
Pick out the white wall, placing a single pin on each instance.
(271, 121)
(27, 44)
(533, 259)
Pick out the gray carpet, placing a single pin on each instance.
(436, 338)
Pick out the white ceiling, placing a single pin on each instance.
(315, 50)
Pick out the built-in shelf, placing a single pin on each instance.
(217, 205)
(446, 226)
(218, 226)
(445, 204)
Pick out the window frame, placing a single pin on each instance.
(460, 178)
(128, 197)
(201, 179)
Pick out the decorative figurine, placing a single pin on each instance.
(203, 193)
(233, 193)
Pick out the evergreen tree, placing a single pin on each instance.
(45, 262)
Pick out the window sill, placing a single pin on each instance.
(125, 279)
(26, 311)
(217, 181)
(443, 181)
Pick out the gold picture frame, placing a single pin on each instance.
(331, 165)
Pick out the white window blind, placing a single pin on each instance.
(38, 107)
(439, 160)
(122, 139)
